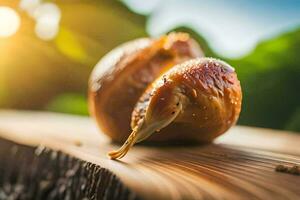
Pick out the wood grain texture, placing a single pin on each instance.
(239, 165)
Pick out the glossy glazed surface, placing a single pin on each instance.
(121, 77)
(210, 97)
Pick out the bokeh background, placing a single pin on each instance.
(48, 49)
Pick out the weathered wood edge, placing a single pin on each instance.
(28, 172)
(281, 143)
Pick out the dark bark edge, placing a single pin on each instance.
(41, 173)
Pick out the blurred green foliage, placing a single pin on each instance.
(53, 75)
(34, 72)
(293, 123)
(270, 78)
(69, 103)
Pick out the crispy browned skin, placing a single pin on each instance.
(121, 77)
(209, 92)
(195, 101)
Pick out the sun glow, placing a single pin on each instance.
(46, 15)
(9, 21)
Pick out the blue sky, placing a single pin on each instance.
(232, 28)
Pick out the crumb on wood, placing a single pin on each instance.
(281, 168)
(295, 169)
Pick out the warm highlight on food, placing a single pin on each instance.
(165, 92)
(121, 77)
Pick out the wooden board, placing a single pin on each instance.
(239, 165)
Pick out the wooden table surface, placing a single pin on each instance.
(238, 165)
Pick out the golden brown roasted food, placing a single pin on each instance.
(194, 101)
(121, 77)
(164, 90)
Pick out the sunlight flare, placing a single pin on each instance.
(9, 21)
